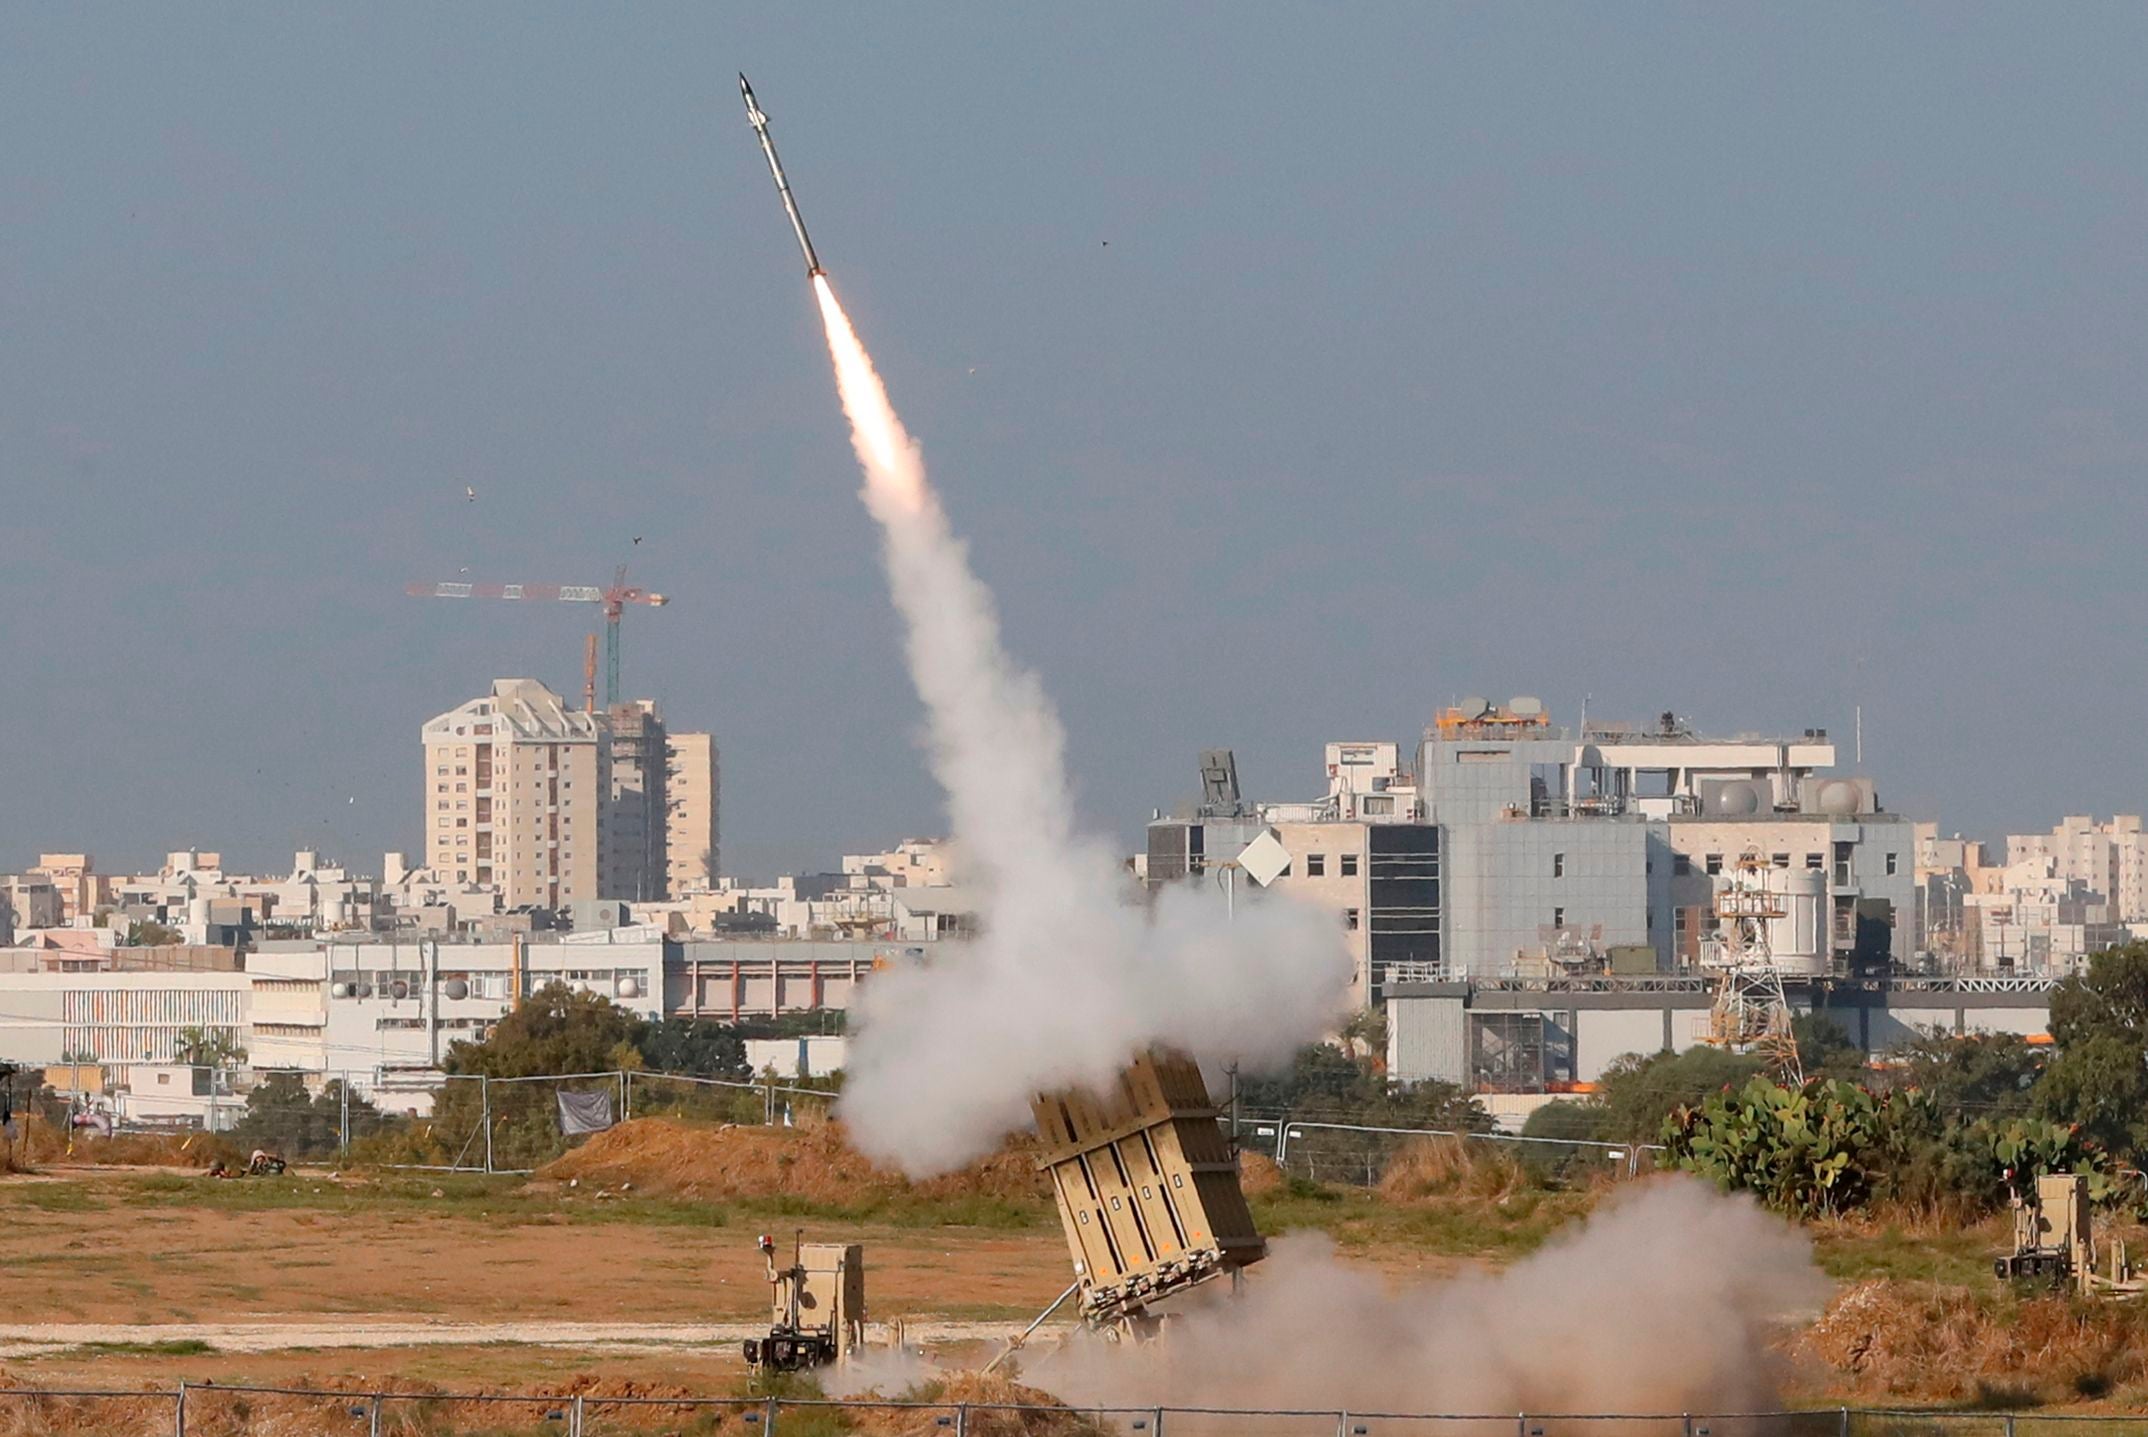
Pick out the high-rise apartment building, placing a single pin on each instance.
(692, 792)
(515, 785)
(632, 856)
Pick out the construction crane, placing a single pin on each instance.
(614, 599)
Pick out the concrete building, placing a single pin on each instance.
(386, 1012)
(693, 793)
(2108, 859)
(116, 1017)
(81, 889)
(27, 901)
(1848, 884)
(515, 786)
(636, 815)
(2035, 920)
(1603, 839)
(1536, 1036)
(912, 863)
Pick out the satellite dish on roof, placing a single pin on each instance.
(1475, 706)
(1523, 706)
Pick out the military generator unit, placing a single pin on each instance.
(817, 1306)
(2055, 1241)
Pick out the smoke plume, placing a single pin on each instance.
(1662, 1301)
(1070, 978)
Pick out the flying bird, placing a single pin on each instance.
(469, 493)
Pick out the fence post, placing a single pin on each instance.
(962, 1420)
(484, 1103)
(1686, 1420)
(574, 1417)
(2009, 1424)
(1521, 1424)
(1156, 1429)
(372, 1415)
(1342, 1424)
(1845, 1429)
(179, 1410)
(626, 1095)
(343, 1120)
(768, 1419)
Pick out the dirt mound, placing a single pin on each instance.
(816, 1163)
(1935, 1343)
(988, 1397)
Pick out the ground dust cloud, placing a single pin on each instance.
(1664, 1300)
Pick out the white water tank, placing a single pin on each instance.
(456, 989)
(630, 987)
(1797, 941)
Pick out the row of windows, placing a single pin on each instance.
(1316, 865)
(1814, 862)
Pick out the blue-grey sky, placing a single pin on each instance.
(1292, 370)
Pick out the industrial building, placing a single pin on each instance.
(1532, 850)
(1520, 1035)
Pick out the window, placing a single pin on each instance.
(1558, 865)
(1681, 864)
(1715, 863)
(1558, 917)
(1349, 919)
(1316, 865)
(1779, 860)
(1893, 861)
(1816, 861)
(1349, 865)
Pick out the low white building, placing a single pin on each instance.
(386, 1013)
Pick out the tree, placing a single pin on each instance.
(148, 933)
(1639, 1092)
(2099, 1075)
(556, 1030)
(700, 1047)
(1824, 1050)
(1989, 1075)
(284, 1118)
(207, 1048)
(1569, 1120)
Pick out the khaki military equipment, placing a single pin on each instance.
(816, 1306)
(1147, 1188)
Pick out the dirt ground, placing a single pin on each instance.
(112, 1261)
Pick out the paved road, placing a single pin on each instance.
(33, 1339)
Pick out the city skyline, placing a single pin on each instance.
(1293, 380)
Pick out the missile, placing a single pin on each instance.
(759, 122)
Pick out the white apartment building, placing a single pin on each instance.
(2031, 918)
(514, 795)
(2107, 859)
(693, 792)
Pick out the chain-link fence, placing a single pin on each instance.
(1369, 1155)
(231, 1411)
(443, 1123)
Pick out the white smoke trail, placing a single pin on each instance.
(1070, 979)
(1664, 1300)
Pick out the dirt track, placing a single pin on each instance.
(380, 1332)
